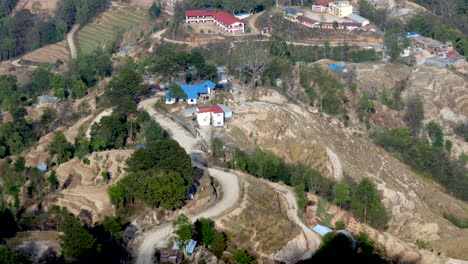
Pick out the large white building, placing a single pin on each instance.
(340, 8)
(226, 21)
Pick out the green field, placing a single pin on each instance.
(106, 27)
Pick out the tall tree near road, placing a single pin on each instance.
(183, 230)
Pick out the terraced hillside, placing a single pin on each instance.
(49, 54)
(107, 26)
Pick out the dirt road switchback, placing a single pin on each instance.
(229, 183)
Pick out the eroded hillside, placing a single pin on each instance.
(298, 133)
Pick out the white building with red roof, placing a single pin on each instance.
(226, 21)
(210, 115)
(320, 7)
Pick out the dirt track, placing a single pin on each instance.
(229, 182)
(71, 40)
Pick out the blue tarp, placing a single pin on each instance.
(413, 33)
(322, 230)
(336, 67)
(241, 14)
(42, 167)
(193, 91)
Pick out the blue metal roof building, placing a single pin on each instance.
(194, 91)
(336, 67)
(291, 10)
(322, 230)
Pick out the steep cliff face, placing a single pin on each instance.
(298, 133)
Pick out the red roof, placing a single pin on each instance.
(451, 53)
(210, 108)
(321, 4)
(224, 17)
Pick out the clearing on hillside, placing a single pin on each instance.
(49, 54)
(105, 29)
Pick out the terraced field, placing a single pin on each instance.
(107, 26)
(49, 54)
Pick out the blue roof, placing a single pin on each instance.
(336, 67)
(242, 14)
(322, 230)
(413, 33)
(291, 10)
(42, 167)
(193, 91)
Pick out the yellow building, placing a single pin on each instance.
(292, 14)
(340, 8)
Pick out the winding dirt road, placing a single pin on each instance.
(313, 239)
(71, 41)
(157, 237)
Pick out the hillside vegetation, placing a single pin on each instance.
(108, 27)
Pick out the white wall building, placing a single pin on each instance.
(210, 115)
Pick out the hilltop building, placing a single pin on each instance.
(224, 20)
(171, 3)
(193, 93)
(321, 7)
(292, 14)
(340, 8)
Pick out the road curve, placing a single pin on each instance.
(71, 40)
(230, 190)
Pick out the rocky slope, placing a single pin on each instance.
(298, 133)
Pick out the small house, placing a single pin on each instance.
(193, 93)
(189, 249)
(42, 167)
(48, 99)
(210, 114)
(322, 230)
(292, 14)
(173, 256)
(242, 15)
(359, 19)
(227, 111)
(321, 7)
(308, 22)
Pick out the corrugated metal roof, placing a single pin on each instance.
(291, 10)
(336, 67)
(193, 91)
(357, 18)
(322, 230)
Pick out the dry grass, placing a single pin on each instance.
(263, 224)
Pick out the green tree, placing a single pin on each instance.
(53, 181)
(396, 42)
(342, 194)
(114, 225)
(124, 88)
(77, 242)
(153, 131)
(164, 154)
(9, 257)
(205, 231)
(436, 134)
(155, 10)
(176, 92)
(218, 245)
(60, 147)
(111, 132)
(242, 257)
(414, 114)
(167, 189)
(366, 204)
(183, 229)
